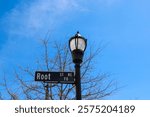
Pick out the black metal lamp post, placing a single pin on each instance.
(77, 46)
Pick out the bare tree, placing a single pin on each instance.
(94, 85)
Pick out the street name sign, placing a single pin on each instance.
(55, 77)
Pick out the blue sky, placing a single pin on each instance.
(124, 25)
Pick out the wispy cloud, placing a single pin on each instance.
(31, 20)
(27, 22)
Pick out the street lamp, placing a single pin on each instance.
(77, 46)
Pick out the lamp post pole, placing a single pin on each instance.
(78, 81)
(77, 46)
(47, 92)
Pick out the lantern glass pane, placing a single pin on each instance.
(72, 44)
(81, 44)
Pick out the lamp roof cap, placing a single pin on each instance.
(78, 34)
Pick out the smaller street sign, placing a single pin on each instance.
(55, 77)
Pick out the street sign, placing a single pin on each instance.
(55, 77)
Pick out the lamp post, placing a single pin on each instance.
(77, 46)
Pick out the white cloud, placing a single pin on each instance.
(36, 17)
(31, 20)
(26, 23)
